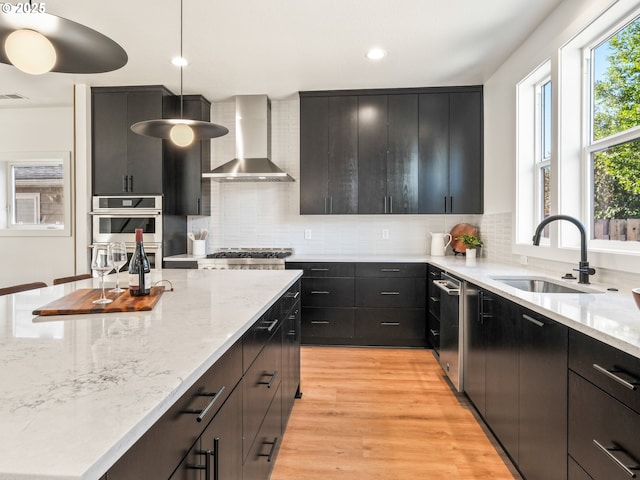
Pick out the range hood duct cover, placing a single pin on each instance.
(253, 145)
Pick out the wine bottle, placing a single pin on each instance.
(139, 271)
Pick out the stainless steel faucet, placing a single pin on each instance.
(583, 267)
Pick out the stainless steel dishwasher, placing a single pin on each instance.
(451, 331)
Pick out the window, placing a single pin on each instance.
(613, 149)
(37, 192)
(543, 153)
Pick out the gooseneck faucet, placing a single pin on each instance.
(583, 267)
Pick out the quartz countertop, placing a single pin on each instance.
(80, 390)
(609, 316)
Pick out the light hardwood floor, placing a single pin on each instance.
(370, 413)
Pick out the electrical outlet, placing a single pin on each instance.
(307, 234)
(524, 260)
(385, 234)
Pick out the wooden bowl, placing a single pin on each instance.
(636, 296)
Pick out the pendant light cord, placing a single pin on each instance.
(181, 61)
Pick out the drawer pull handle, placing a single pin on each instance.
(270, 382)
(607, 451)
(389, 293)
(612, 375)
(320, 322)
(271, 450)
(202, 413)
(292, 295)
(533, 320)
(434, 299)
(271, 326)
(435, 333)
(320, 292)
(390, 324)
(389, 269)
(319, 269)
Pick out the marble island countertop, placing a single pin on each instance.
(79, 390)
(609, 316)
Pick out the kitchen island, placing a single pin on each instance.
(80, 390)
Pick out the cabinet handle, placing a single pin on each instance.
(445, 204)
(320, 292)
(319, 269)
(330, 204)
(533, 320)
(325, 204)
(389, 293)
(389, 269)
(612, 375)
(270, 382)
(271, 450)
(319, 322)
(390, 324)
(216, 456)
(435, 333)
(434, 274)
(130, 183)
(451, 204)
(390, 204)
(293, 295)
(202, 413)
(607, 451)
(434, 299)
(272, 324)
(125, 183)
(198, 205)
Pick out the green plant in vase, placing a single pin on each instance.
(472, 243)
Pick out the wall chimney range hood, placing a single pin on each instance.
(253, 145)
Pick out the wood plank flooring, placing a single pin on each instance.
(370, 413)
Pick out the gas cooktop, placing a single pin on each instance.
(251, 253)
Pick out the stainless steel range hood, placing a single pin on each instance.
(253, 145)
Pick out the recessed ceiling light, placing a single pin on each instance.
(180, 62)
(376, 54)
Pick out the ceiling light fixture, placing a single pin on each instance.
(376, 54)
(37, 42)
(182, 132)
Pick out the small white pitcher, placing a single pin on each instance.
(437, 243)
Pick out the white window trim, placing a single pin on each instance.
(6, 212)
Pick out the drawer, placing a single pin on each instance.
(390, 293)
(391, 270)
(290, 298)
(391, 326)
(576, 472)
(259, 386)
(150, 457)
(433, 301)
(595, 416)
(323, 269)
(433, 331)
(260, 332)
(616, 372)
(328, 292)
(323, 324)
(264, 450)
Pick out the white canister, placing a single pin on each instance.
(199, 248)
(470, 257)
(438, 244)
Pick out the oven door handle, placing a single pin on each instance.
(131, 214)
(444, 286)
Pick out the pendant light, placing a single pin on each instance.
(182, 132)
(38, 43)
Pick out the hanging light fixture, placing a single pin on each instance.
(182, 132)
(37, 42)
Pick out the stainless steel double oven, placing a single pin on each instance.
(115, 219)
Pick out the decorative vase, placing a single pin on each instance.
(470, 257)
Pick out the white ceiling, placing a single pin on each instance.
(279, 47)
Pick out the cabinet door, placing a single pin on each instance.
(109, 142)
(434, 152)
(291, 331)
(263, 453)
(465, 155)
(475, 353)
(402, 159)
(372, 153)
(542, 449)
(144, 154)
(343, 155)
(314, 157)
(502, 376)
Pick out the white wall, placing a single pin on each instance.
(29, 259)
(267, 214)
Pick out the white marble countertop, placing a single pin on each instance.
(611, 317)
(79, 390)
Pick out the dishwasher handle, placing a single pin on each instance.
(444, 286)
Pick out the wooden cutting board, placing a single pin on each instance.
(458, 231)
(81, 302)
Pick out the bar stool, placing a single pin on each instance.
(21, 287)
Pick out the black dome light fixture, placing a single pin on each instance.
(37, 42)
(182, 132)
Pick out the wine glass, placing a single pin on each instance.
(119, 254)
(102, 262)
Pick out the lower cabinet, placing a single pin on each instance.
(516, 376)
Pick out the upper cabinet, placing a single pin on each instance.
(391, 151)
(124, 162)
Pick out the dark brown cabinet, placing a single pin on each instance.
(451, 152)
(329, 155)
(122, 161)
(433, 308)
(193, 193)
(391, 151)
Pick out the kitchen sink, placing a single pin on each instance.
(542, 285)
